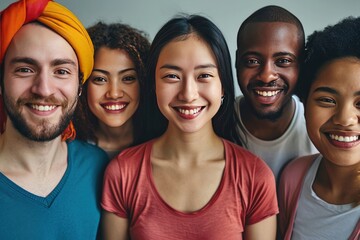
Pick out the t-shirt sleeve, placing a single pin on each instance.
(262, 197)
(113, 192)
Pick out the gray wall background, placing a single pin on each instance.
(150, 15)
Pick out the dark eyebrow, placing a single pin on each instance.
(250, 53)
(121, 71)
(169, 66)
(61, 61)
(278, 54)
(326, 89)
(32, 61)
(332, 91)
(24, 60)
(210, 65)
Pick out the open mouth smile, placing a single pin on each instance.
(267, 93)
(189, 111)
(114, 107)
(345, 139)
(42, 108)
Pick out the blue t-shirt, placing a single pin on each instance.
(70, 211)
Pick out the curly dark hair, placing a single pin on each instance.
(136, 44)
(334, 42)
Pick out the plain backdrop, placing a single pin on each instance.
(150, 15)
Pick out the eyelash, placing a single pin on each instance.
(282, 62)
(326, 101)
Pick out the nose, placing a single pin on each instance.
(189, 90)
(44, 85)
(114, 90)
(346, 115)
(268, 73)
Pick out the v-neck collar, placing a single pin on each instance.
(47, 201)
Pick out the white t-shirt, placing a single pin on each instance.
(316, 219)
(292, 144)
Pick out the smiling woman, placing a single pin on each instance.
(319, 195)
(193, 181)
(110, 110)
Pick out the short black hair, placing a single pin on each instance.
(273, 13)
(333, 42)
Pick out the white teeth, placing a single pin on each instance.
(344, 138)
(189, 112)
(114, 107)
(267, 93)
(43, 108)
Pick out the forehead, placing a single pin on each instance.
(41, 43)
(342, 73)
(269, 37)
(112, 56)
(190, 49)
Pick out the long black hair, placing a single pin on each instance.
(225, 120)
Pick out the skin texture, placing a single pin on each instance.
(267, 72)
(113, 96)
(41, 82)
(187, 81)
(333, 123)
(187, 174)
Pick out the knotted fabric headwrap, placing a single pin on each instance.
(60, 20)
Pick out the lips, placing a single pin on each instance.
(188, 112)
(344, 138)
(267, 96)
(113, 107)
(42, 108)
(267, 93)
(343, 141)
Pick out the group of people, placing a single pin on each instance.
(105, 135)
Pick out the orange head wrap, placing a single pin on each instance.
(59, 19)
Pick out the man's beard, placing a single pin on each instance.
(44, 131)
(276, 113)
(271, 116)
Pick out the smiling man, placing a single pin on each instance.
(269, 52)
(49, 185)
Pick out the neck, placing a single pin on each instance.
(266, 129)
(18, 153)
(115, 138)
(188, 147)
(337, 184)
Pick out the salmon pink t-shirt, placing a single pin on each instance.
(246, 195)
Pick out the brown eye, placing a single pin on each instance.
(62, 72)
(99, 80)
(284, 62)
(129, 79)
(251, 62)
(326, 101)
